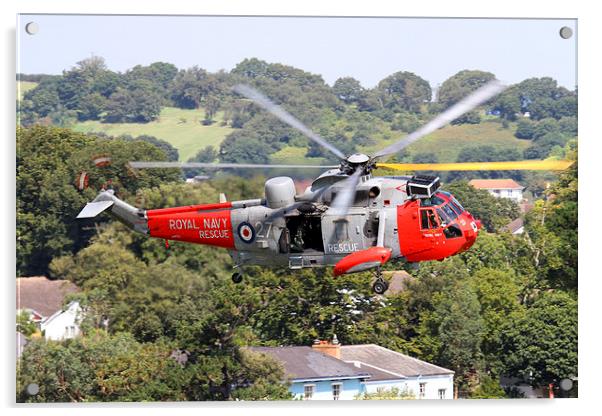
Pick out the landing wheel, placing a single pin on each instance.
(237, 277)
(380, 286)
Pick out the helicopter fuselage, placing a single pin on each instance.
(383, 223)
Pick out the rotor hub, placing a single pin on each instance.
(357, 161)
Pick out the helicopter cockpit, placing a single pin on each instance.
(441, 210)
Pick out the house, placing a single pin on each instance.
(43, 299)
(330, 371)
(500, 188)
(515, 227)
(390, 369)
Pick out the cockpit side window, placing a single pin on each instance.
(456, 205)
(450, 212)
(443, 219)
(432, 201)
(428, 219)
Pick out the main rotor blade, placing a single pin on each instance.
(345, 196)
(475, 99)
(516, 165)
(196, 165)
(265, 103)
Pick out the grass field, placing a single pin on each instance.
(296, 155)
(23, 87)
(447, 142)
(182, 128)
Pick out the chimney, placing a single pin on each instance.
(329, 348)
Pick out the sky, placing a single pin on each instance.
(368, 49)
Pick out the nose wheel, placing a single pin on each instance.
(237, 277)
(380, 285)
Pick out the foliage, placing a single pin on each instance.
(24, 324)
(459, 86)
(542, 346)
(493, 212)
(100, 367)
(48, 162)
(489, 388)
(541, 97)
(403, 91)
(394, 393)
(348, 89)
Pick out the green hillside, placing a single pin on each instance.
(23, 87)
(182, 128)
(447, 142)
(450, 140)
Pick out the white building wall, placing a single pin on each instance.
(349, 389)
(432, 385)
(63, 324)
(514, 194)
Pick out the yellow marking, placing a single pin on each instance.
(516, 165)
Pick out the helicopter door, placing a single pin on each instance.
(418, 230)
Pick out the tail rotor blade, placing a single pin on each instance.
(475, 99)
(274, 109)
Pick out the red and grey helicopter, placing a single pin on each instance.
(347, 218)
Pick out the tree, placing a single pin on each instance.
(242, 147)
(206, 155)
(190, 87)
(100, 367)
(404, 91)
(170, 151)
(542, 146)
(498, 293)
(159, 74)
(460, 332)
(542, 346)
(348, 89)
(525, 128)
(25, 325)
(493, 212)
(541, 97)
(48, 161)
(459, 86)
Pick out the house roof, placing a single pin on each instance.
(390, 361)
(514, 226)
(42, 295)
(495, 184)
(398, 281)
(306, 363)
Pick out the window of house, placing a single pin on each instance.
(421, 390)
(336, 391)
(70, 331)
(308, 391)
(442, 393)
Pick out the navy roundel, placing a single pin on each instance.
(246, 232)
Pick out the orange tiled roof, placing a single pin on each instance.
(496, 184)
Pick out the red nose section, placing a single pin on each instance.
(362, 260)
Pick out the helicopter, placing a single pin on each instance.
(347, 218)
